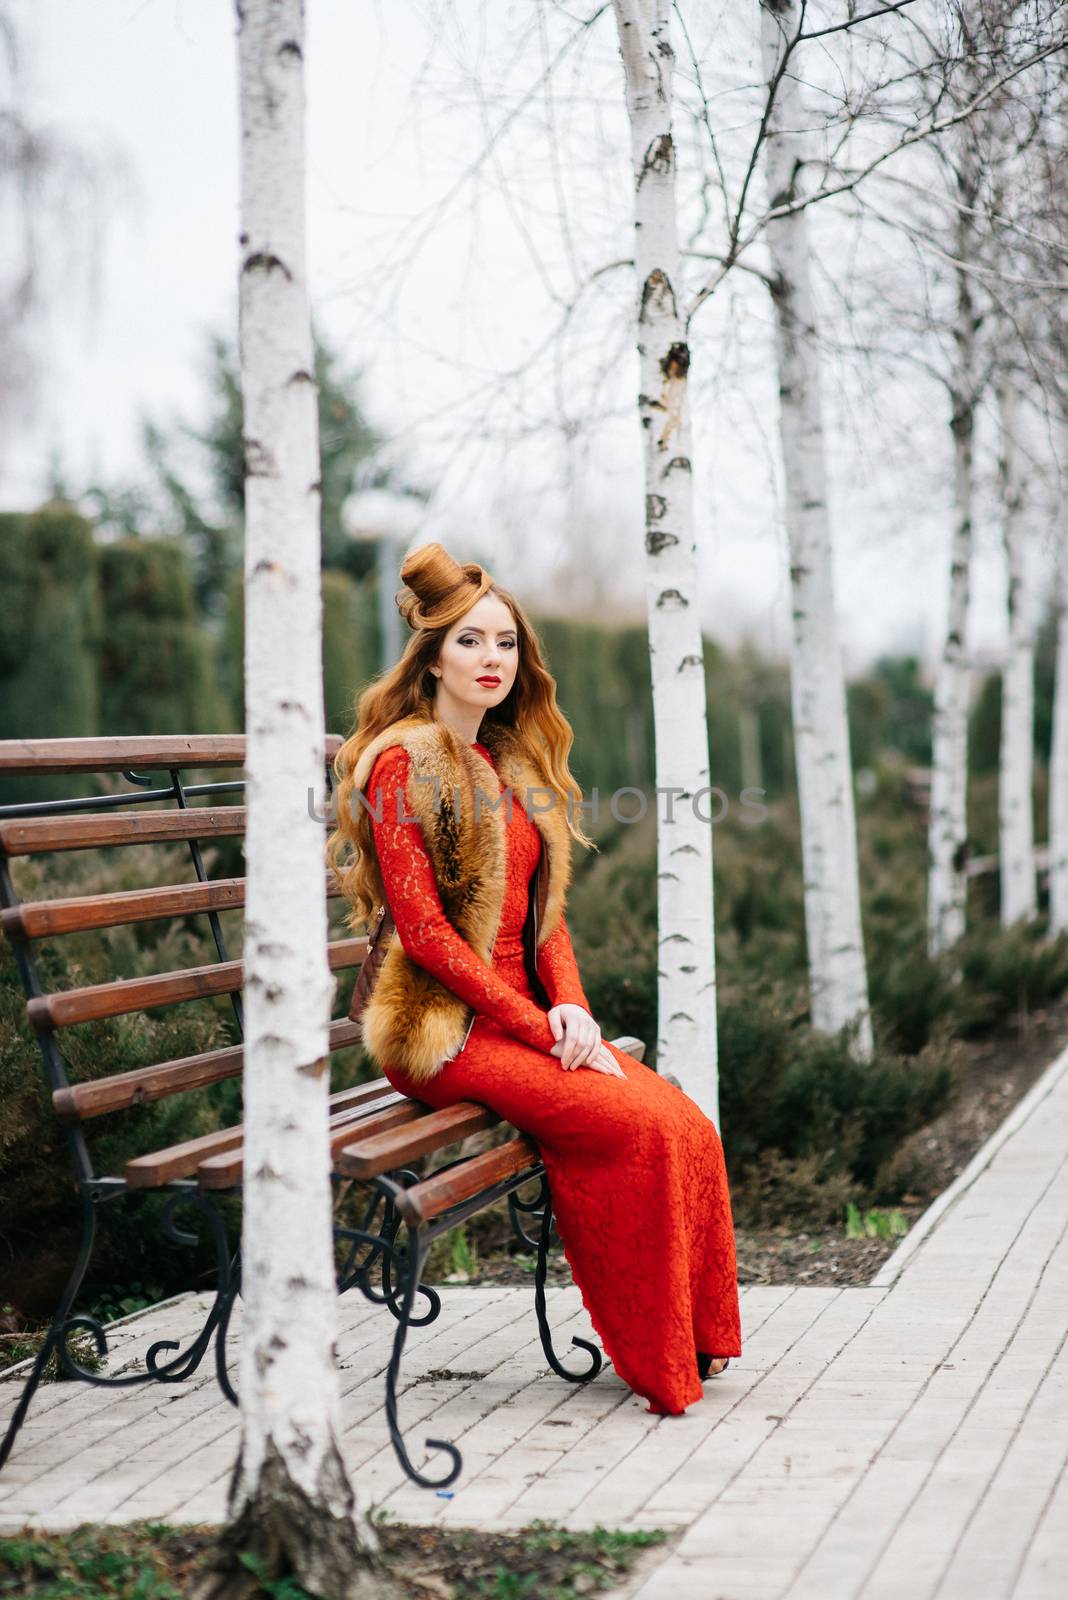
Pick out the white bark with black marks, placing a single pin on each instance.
(1016, 842)
(686, 1016)
(948, 823)
(291, 1503)
(1058, 757)
(837, 969)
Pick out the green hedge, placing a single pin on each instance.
(157, 673)
(49, 633)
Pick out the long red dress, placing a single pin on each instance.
(636, 1168)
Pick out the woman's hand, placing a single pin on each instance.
(579, 1043)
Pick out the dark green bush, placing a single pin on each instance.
(809, 1190)
(984, 726)
(906, 720)
(909, 992)
(759, 907)
(800, 1094)
(1005, 973)
(38, 1197)
(38, 1200)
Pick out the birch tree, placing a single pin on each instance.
(837, 970)
(1058, 760)
(291, 1504)
(948, 821)
(1016, 845)
(686, 1017)
(1043, 244)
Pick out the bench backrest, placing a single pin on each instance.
(153, 801)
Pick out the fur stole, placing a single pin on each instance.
(412, 1020)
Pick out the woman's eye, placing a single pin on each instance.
(509, 644)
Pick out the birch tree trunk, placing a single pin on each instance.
(686, 1018)
(291, 1504)
(1016, 844)
(838, 975)
(947, 834)
(1058, 759)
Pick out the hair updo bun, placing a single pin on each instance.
(438, 590)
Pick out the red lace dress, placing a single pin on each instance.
(636, 1168)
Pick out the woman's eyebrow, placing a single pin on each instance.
(479, 631)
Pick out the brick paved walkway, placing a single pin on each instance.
(905, 1439)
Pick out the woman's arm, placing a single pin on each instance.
(559, 971)
(424, 930)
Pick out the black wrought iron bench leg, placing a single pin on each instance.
(379, 1246)
(55, 1335)
(225, 1306)
(545, 1205)
(372, 1249)
(408, 1271)
(156, 1370)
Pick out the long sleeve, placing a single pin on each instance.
(559, 971)
(427, 935)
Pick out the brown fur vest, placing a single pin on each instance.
(412, 1020)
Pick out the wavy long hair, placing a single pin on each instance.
(438, 593)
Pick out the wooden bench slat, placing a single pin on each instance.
(182, 1160)
(126, 752)
(426, 1200)
(85, 1100)
(40, 919)
(26, 836)
(366, 1158)
(224, 1171)
(125, 995)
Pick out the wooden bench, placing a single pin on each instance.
(379, 1139)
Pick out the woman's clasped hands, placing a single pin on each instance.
(579, 1043)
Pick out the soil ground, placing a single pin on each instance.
(145, 1560)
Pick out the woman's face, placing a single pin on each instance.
(483, 644)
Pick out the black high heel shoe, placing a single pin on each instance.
(704, 1364)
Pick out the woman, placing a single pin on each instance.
(455, 794)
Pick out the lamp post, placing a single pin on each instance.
(389, 521)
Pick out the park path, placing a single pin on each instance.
(909, 1438)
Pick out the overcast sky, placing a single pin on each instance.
(435, 285)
